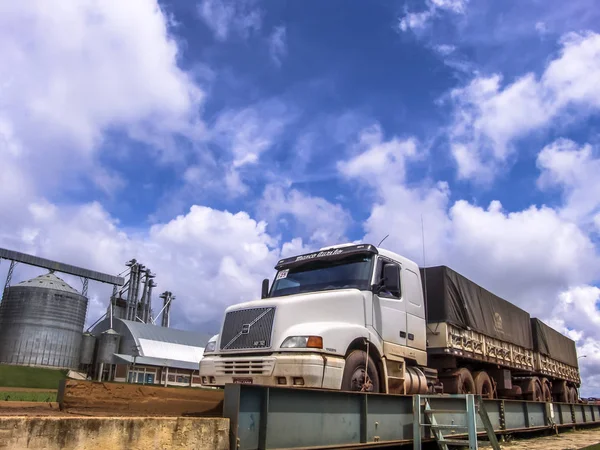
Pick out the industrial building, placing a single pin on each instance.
(41, 320)
(42, 324)
(136, 352)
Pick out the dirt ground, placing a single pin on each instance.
(121, 399)
(566, 440)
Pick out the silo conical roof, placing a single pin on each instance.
(48, 281)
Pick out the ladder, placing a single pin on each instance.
(473, 406)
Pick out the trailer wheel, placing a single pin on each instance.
(561, 392)
(532, 389)
(460, 382)
(354, 373)
(483, 384)
(573, 395)
(546, 391)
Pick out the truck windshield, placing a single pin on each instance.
(350, 272)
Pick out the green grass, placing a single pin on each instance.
(27, 396)
(30, 377)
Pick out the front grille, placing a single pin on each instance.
(256, 366)
(247, 329)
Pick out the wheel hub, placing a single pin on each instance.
(361, 381)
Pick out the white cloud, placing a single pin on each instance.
(376, 159)
(323, 222)
(277, 44)
(445, 49)
(88, 71)
(575, 170)
(489, 118)
(245, 134)
(576, 313)
(541, 28)
(226, 17)
(418, 21)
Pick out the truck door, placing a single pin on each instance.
(389, 309)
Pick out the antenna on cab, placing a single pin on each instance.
(387, 235)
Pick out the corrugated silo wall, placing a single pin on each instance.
(88, 347)
(41, 327)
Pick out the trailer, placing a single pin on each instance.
(355, 317)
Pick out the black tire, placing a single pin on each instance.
(483, 384)
(561, 391)
(460, 381)
(546, 390)
(573, 395)
(354, 373)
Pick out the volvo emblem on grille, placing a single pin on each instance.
(252, 328)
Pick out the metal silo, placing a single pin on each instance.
(41, 321)
(88, 345)
(108, 345)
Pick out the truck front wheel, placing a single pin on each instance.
(354, 378)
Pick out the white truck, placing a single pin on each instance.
(354, 317)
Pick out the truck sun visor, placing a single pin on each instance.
(334, 253)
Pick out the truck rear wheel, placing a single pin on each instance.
(546, 391)
(483, 384)
(532, 389)
(561, 391)
(354, 373)
(573, 395)
(460, 381)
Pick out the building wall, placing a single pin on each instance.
(144, 374)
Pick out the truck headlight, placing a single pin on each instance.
(303, 342)
(210, 347)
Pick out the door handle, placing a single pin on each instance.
(403, 334)
(411, 337)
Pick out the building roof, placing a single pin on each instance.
(161, 345)
(161, 362)
(49, 281)
(151, 332)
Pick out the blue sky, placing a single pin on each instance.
(208, 139)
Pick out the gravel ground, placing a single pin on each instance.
(566, 440)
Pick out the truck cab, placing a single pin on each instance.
(348, 317)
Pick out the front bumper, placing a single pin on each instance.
(282, 369)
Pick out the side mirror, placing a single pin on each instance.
(265, 288)
(391, 278)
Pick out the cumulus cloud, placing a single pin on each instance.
(226, 17)
(576, 313)
(490, 117)
(245, 134)
(416, 21)
(324, 223)
(574, 170)
(375, 159)
(89, 72)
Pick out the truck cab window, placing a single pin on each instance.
(380, 276)
(351, 272)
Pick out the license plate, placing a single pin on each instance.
(242, 380)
